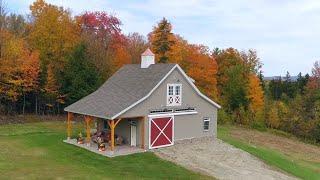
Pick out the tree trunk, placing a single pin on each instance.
(58, 104)
(24, 103)
(36, 104)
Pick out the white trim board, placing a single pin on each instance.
(172, 114)
(160, 82)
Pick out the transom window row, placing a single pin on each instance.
(166, 110)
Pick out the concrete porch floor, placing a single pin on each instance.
(118, 150)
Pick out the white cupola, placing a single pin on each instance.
(147, 58)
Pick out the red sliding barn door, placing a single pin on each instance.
(160, 132)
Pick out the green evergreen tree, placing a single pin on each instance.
(289, 86)
(275, 88)
(162, 40)
(262, 82)
(80, 76)
(301, 83)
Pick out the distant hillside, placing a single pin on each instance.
(293, 78)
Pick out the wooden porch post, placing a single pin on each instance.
(113, 125)
(112, 135)
(69, 121)
(88, 119)
(142, 131)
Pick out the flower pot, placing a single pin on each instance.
(80, 141)
(102, 147)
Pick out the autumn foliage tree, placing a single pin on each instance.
(202, 68)
(53, 58)
(232, 80)
(255, 94)
(19, 69)
(53, 32)
(105, 42)
(162, 39)
(179, 51)
(239, 87)
(136, 45)
(273, 120)
(195, 59)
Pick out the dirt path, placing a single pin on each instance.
(219, 159)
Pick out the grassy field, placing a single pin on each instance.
(287, 153)
(36, 151)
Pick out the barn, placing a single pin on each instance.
(146, 106)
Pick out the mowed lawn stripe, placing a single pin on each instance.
(32, 155)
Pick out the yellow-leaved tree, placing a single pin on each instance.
(256, 100)
(19, 68)
(255, 94)
(54, 33)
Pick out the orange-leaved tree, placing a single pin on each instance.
(121, 57)
(19, 68)
(255, 94)
(51, 88)
(203, 69)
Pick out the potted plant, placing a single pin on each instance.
(101, 145)
(80, 139)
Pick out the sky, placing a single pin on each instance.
(285, 33)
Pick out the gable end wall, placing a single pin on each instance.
(185, 126)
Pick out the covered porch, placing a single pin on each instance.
(120, 136)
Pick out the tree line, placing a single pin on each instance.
(50, 59)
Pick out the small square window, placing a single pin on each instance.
(206, 124)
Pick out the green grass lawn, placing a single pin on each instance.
(288, 162)
(36, 151)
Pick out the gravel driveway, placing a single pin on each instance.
(218, 159)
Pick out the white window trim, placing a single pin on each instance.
(206, 119)
(174, 94)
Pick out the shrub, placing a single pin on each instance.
(224, 117)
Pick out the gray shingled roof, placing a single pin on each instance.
(128, 85)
